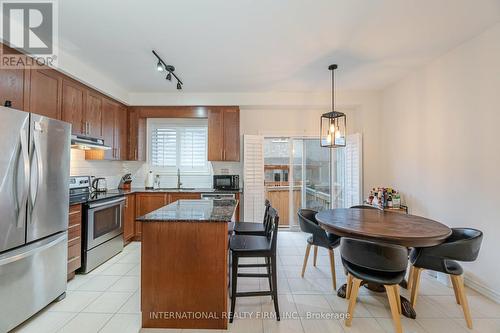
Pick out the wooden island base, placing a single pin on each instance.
(184, 275)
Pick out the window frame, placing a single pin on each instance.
(154, 123)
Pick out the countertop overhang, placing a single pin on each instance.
(193, 211)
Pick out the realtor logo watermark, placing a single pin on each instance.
(29, 27)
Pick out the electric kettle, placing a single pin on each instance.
(99, 185)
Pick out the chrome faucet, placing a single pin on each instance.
(179, 179)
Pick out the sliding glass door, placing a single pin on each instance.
(299, 173)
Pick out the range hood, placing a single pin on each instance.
(88, 143)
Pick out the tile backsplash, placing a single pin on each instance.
(114, 170)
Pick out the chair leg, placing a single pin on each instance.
(410, 278)
(268, 269)
(349, 286)
(315, 255)
(234, 279)
(352, 300)
(455, 289)
(392, 294)
(275, 287)
(463, 299)
(415, 285)
(308, 249)
(332, 267)
(398, 298)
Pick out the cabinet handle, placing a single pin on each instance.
(135, 154)
(224, 155)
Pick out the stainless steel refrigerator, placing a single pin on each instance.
(34, 204)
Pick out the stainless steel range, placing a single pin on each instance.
(102, 233)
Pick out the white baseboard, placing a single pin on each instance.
(471, 283)
(482, 289)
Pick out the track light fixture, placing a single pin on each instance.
(162, 66)
(159, 67)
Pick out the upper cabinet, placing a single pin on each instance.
(73, 105)
(120, 132)
(12, 87)
(93, 115)
(114, 132)
(224, 134)
(12, 84)
(137, 136)
(45, 90)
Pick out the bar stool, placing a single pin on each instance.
(253, 228)
(319, 237)
(244, 246)
(462, 245)
(373, 262)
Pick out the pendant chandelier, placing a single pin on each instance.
(333, 123)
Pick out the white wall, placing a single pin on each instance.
(439, 130)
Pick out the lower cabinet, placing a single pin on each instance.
(148, 202)
(129, 218)
(74, 239)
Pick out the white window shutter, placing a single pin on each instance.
(253, 178)
(353, 170)
(164, 146)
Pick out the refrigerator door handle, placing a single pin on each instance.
(26, 169)
(32, 249)
(37, 152)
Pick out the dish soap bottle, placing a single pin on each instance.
(149, 181)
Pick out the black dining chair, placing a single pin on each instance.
(248, 246)
(319, 237)
(253, 228)
(374, 262)
(462, 245)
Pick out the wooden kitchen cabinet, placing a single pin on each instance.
(114, 132)
(224, 134)
(129, 218)
(93, 115)
(173, 197)
(146, 203)
(120, 133)
(12, 87)
(12, 83)
(45, 90)
(73, 105)
(74, 239)
(137, 136)
(108, 127)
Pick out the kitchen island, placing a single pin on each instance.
(184, 264)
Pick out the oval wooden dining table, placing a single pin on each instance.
(384, 226)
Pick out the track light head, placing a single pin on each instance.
(179, 86)
(169, 76)
(159, 67)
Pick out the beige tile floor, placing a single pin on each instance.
(107, 300)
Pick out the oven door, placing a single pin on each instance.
(104, 221)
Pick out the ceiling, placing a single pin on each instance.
(263, 46)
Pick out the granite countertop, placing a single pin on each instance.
(193, 211)
(175, 190)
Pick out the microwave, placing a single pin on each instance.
(226, 182)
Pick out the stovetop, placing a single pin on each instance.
(84, 195)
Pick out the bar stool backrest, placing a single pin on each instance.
(272, 232)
